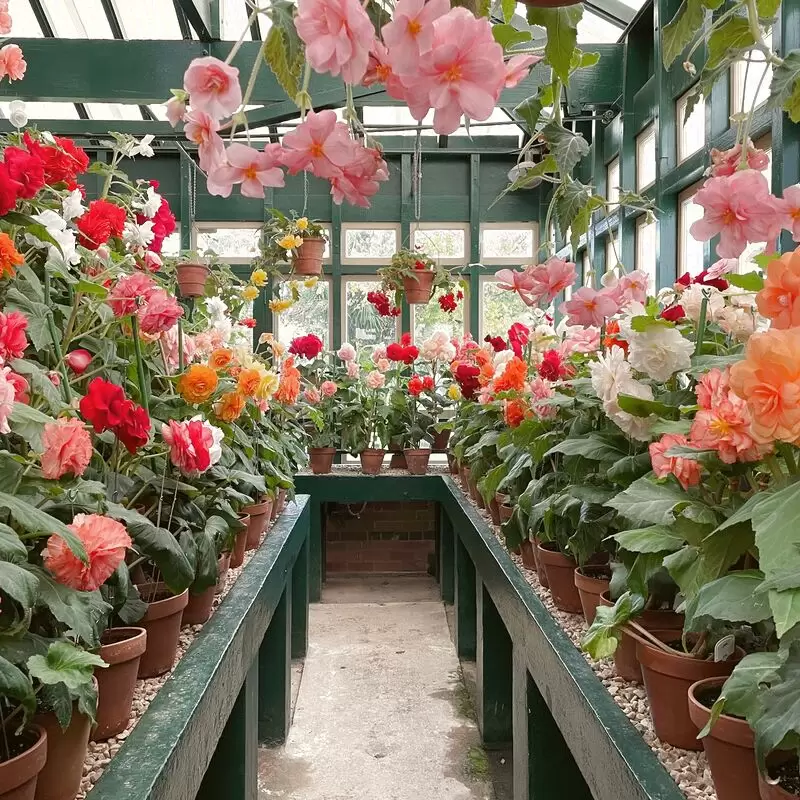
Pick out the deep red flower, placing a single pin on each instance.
(102, 221)
(459, 295)
(134, 428)
(553, 367)
(415, 386)
(405, 353)
(26, 169)
(405, 339)
(717, 283)
(685, 279)
(380, 301)
(466, 376)
(420, 266)
(498, 343)
(248, 322)
(448, 303)
(9, 190)
(518, 335)
(308, 346)
(427, 383)
(62, 163)
(104, 405)
(164, 223)
(674, 313)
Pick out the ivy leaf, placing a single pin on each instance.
(784, 91)
(64, 663)
(561, 25)
(749, 281)
(655, 539)
(683, 27)
(729, 39)
(567, 147)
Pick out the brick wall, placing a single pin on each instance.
(379, 537)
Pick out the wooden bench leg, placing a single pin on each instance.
(274, 674)
(494, 669)
(466, 606)
(300, 603)
(446, 557)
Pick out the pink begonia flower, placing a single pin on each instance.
(12, 63)
(250, 167)
(383, 364)
(380, 70)
(169, 340)
(632, 287)
(213, 87)
(520, 281)
(378, 353)
(78, 360)
(726, 428)
(581, 340)
(589, 307)
(321, 144)
(7, 395)
(346, 352)
(375, 379)
(312, 395)
(410, 33)
(129, 291)
(359, 178)
(5, 19)
(740, 209)
(726, 162)
(712, 388)
(686, 470)
(338, 35)
(791, 195)
(176, 110)
(328, 388)
(159, 313)
(517, 69)
(462, 74)
(541, 390)
(723, 266)
(552, 278)
(353, 369)
(202, 129)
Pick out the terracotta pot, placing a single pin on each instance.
(418, 290)
(259, 514)
(417, 460)
(163, 625)
(475, 494)
(540, 570)
(506, 511)
(240, 542)
(729, 747)
(281, 500)
(667, 678)
(192, 279)
(18, 775)
(591, 581)
(198, 609)
(494, 510)
(121, 649)
(526, 549)
(452, 464)
(398, 461)
(372, 460)
(560, 572)
(321, 459)
(223, 566)
(769, 791)
(308, 257)
(440, 441)
(66, 751)
(464, 477)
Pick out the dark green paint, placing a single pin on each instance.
(300, 603)
(466, 604)
(446, 558)
(274, 674)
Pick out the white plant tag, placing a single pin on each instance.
(725, 647)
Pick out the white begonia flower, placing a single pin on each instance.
(659, 352)
(17, 114)
(72, 205)
(142, 148)
(438, 348)
(608, 372)
(57, 230)
(543, 337)
(639, 428)
(631, 310)
(691, 300)
(737, 322)
(150, 206)
(216, 308)
(138, 235)
(500, 360)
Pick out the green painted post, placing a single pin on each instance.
(274, 674)
(466, 607)
(552, 771)
(520, 726)
(300, 603)
(446, 557)
(315, 561)
(494, 657)
(233, 771)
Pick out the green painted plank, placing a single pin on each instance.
(446, 559)
(274, 674)
(300, 603)
(466, 604)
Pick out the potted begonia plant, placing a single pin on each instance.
(413, 274)
(293, 239)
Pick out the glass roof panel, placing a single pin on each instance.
(159, 112)
(24, 22)
(114, 111)
(45, 110)
(597, 30)
(234, 19)
(78, 19)
(148, 19)
(396, 115)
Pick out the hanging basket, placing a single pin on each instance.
(192, 279)
(419, 288)
(308, 258)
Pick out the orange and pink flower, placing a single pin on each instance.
(779, 300)
(67, 448)
(686, 470)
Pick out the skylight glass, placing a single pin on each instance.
(45, 110)
(25, 23)
(114, 111)
(148, 19)
(78, 19)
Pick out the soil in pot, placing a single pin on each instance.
(540, 570)
(417, 460)
(122, 650)
(66, 751)
(240, 542)
(308, 258)
(728, 746)
(419, 288)
(560, 571)
(321, 459)
(259, 514)
(223, 566)
(372, 460)
(163, 625)
(19, 774)
(526, 550)
(192, 279)
(667, 678)
(591, 581)
(784, 768)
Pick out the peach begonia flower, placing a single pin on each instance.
(252, 168)
(726, 428)
(791, 196)
(12, 63)
(375, 379)
(213, 86)
(289, 385)
(67, 448)
(197, 384)
(712, 388)
(105, 541)
(410, 32)
(779, 300)
(202, 129)
(686, 470)
(230, 406)
(248, 381)
(320, 144)
(768, 380)
(589, 307)
(312, 395)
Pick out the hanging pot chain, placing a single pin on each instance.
(416, 173)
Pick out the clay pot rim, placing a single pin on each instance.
(554, 557)
(122, 650)
(313, 239)
(414, 451)
(588, 582)
(166, 607)
(373, 451)
(255, 509)
(325, 450)
(676, 664)
(192, 265)
(728, 729)
(35, 756)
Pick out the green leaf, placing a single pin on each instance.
(15, 684)
(37, 314)
(567, 147)
(40, 383)
(629, 468)
(655, 539)
(644, 408)
(572, 199)
(605, 633)
(644, 322)
(276, 54)
(647, 502)
(90, 287)
(784, 91)
(18, 584)
(507, 35)
(767, 9)
(731, 598)
(12, 548)
(683, 27)
(561, 25)
(64, 663)
(749, 281)
(29, 423)
(529, 110)
(728, 40)
(593, 447)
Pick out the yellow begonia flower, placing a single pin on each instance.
(302, 224)
(288, 242)
(250, 292)
(310, 283)
(279, 306)
(454, 393)
(268, 385)
(259, 277)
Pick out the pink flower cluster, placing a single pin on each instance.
(193, 444)
(538, 282)
(138, 294)
(5, 18)
(12, 62)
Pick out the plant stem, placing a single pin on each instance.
(181, 365)
(701, 325)
(788, 456)
(775, 468)
(51, 326)
(140, 367)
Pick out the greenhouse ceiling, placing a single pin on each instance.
(139, 48)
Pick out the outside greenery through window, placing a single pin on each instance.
(430, 318)
(500, 310)
(363, 244)
(441, 243)
(310, 314)
(363, 327)
(507, 244)
(229, 243)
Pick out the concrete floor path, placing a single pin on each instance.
(382, 712)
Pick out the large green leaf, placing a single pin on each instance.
(593, 447)
(40, 383)
(29, 423)
(728, 39)
(605, 633)
(731, 598)
(646, 502)
(573, 198)
(784, 91)
(64, 663)
(629, 468)
(12, 548)
(655, 539)
(18, 584)
(567, 147)
(561, 25)
(683, 27)
(37, 315)
(644, 408)
(15, 685)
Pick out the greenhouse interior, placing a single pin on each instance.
(397, 400)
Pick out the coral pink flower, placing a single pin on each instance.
(129, 292)
(213, 87)
(328, 388)
(78, 360)
(312, 395)
(21, 387)
(13, 338)
(5, 19)
(589, 307)
(353, 369)
(581, 340)
(12, 63)
(375, 379)
(202, 129)
(712, 388)
(725, 427)
(740, 209)
(686, 470)
(632, 287)
(160, 312)
(410, 33)
(8, 394)
(358, 180)
(176, 111)
(383, 364)
(462, 74)
(346, 352)
(321, 144)
(379, 70)
(517, 69)
(250, 167)
(170, 340)
(338, 36)
(193, 444)
(67, 448)
(726, 162)
(541, 390)
(779, 300)
(552, 278)
(520, 281)
(105, 541)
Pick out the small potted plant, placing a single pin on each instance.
(297, 240)
(418, 423)
(416, 275)
(364, 424)
(192, 271)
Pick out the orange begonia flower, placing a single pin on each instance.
(198, 383)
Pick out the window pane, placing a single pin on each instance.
(430, 318)
(229, 242)
(692, 131)
(172, 244)
(370, 243)
(148, 19)
(751, 80)
(84, 19)
(508, 243)
(586, 267)
(363, 325)
(646, 251)
(234, 19)
(24, 21)
(310, 314)
(691, 251)
(612, 181)
(45, 110)
(646, 157)
(441, 242)
(500, 309)
(593, 28)
(113, 111)
(613, 254)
